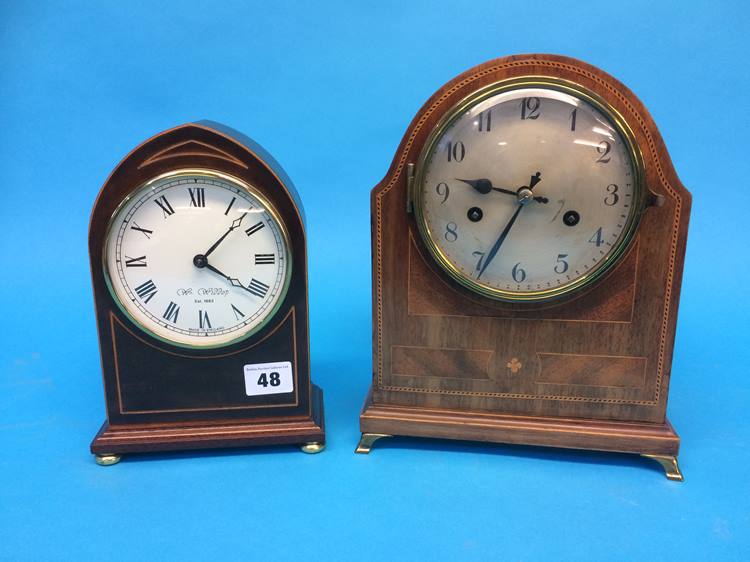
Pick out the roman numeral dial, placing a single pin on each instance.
(172, 312)
(258, 288)
(197, 196)
(204, 323)
(255, 228)
(163, 203)
(146, 290)
(197, 259)
(135, 262)
(145, 231)
(265, 259)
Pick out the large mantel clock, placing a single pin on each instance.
(198, 258)
(528, 245)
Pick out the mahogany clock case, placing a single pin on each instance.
(588, 370)
(160, 396)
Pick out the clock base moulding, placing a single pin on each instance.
(657, 441)
(113, 441)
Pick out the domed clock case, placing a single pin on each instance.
(588, 368)
(162, 394)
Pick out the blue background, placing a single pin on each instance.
(328, 89)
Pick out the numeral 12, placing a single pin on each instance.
(197, 197)
(530, 108)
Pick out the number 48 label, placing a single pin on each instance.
(268, 378)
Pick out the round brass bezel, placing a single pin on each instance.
(541, 82)
(253, 191)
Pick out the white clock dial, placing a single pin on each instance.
(528, 193)
(197, 258)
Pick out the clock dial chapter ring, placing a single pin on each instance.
(178, 233)
(584, 215)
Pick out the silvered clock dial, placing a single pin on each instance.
(528, 190)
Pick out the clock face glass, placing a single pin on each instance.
(197, 258)
(527, 193)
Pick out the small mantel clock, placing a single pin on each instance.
(199, 266)
(528, 244)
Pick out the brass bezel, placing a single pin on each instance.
(252, 190)
(543, 82)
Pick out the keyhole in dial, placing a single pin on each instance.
(571, 218)
(475, 214)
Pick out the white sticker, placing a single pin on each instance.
(268, 378)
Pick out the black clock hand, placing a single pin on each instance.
(235, 224)
(535, 179)
(232, 280)
(484, 186)
(500, 240)
(525, 194)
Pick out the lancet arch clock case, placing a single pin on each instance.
(528, 243)
(199, 268)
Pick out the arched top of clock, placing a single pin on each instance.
(203, 144)
(659, 168)
(214, 149)
(665, 195)
(262, 154)
(191, 148)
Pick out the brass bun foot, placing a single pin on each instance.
(670, 466)
(367, 441)
(107, 460)
(313, 447)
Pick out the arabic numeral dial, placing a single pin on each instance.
(528, 192)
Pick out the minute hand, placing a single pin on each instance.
(235, 223)
(500, 240)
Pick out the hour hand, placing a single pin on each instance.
(483, 186)
(232, 280)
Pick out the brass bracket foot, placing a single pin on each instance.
(313, 447)
(669, 464)
(367, 441)
(107, 460)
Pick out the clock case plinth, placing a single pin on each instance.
(120, 439)
(162, 397)
(590, 370)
